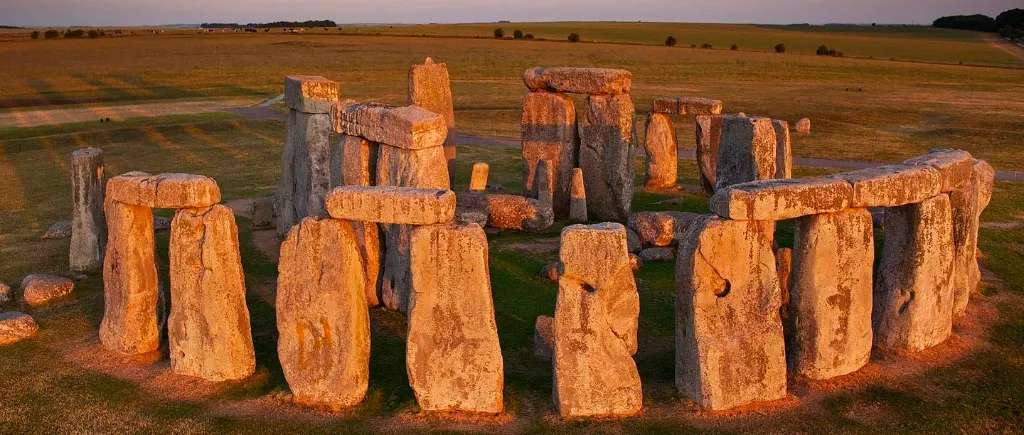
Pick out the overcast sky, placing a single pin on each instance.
(149, 12)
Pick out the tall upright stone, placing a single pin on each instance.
(578, 204)
(130, 290)
(606, 142)
(596, 324)
(829, 318)
(544, 183)
(549, 133)
(430, 88)
(730, 349)
(913, 292)
(967, 204)
(783, 149)
(746, 151)
(306, 160)
(709, 133)
(88, 229)
(359, 168)
(208, 328)
(478, 178)
(661, 151)
(322, 321)
(452, 352)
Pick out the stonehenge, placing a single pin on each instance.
(751, 148)
(661, 149)
(88, 230)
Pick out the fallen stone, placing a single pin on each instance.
(38, 289)
(478, 177)
(773, 200)
(358, 162)
(659, 228)
(549, 133)
(606, 142)
(595, 325)
(913, 293)
(452, 353)
(891, 185)
(310, 94)
(578, 203)
(15, 327)
(391, 205)
(543, 185)
(163, 190)
(6, 294)
(130, 291)
(803, 126)
(88, 229)
(58, 230)
(661, 153)
(730, 349)
(543, 337)
(510, 212)
(955, 167)
(829, 326)
(208, 327)
(746, 151)
(322, 321)
(709, 133)
(783, 150)
(262, 213)
(408, 127)
(471, 217)
(658, 254)
(593, 81)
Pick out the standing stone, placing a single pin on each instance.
(661, 152)
(88, 231)
(967, 203)
(262, 212)
(322, 321)
(746, 152)
(430, 88)
(423, 168)
(659, 228)
(208, 327)
(452, 352)
(730, 349)
(913, 297)
(130, 290)
(803, 126)
(478, 179)
(709, 133)
(829, 325)
(606, 141)
(543, 337)
(783, 150)
(578, 205)
(543, 186)
(358, 165)
(595, 325)
(305, 168)
(549, 133)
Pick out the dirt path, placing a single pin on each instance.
(32, 118)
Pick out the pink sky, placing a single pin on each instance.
(148, 12)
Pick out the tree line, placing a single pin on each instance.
(309, 23)
(1009, 24)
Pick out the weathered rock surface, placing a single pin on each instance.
(262, 213)
(307, 160)
(407, 127)
(88, 228)
(549, 133)
(661, 151)
(6, 294)
(510, 212)
(892, 185)
(39, 288)
(913, 293)
(967, 203)
(164, 190)
(633, 242)
(452, 353)
(606, 142)
(746, 151)
(430, 88)
(594, 81)
(781, 199)
(578, 202)
(695, 106)
(130, 291)
(57, 230)
(552, 271)
(658, 254)
(709, 134)
(544, 184)
(783, 150)
(391, 205)
(595, 325)
(310, 94)
(543, 337)
(784, 268)
(803, 126)
(358, 162)
(955, 167)
(729, 343)
(828, 331)
(15, 327)
(478, 178)
(372, 252)
(208, 328)
(322, 321)
(659, 228)
(464, 216)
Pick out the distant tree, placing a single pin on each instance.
(574, 37)
(517, 34)
(978, 22)
(1013, 18)
(734, 47)
(93, 34)
(74, 33)
(822, 50)
(528, 36)
(706, 45)
(499, 33)
(35, 34)
(780, 48)
(670, 41)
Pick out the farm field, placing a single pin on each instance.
(862, 109)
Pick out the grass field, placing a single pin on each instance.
(61, 382)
